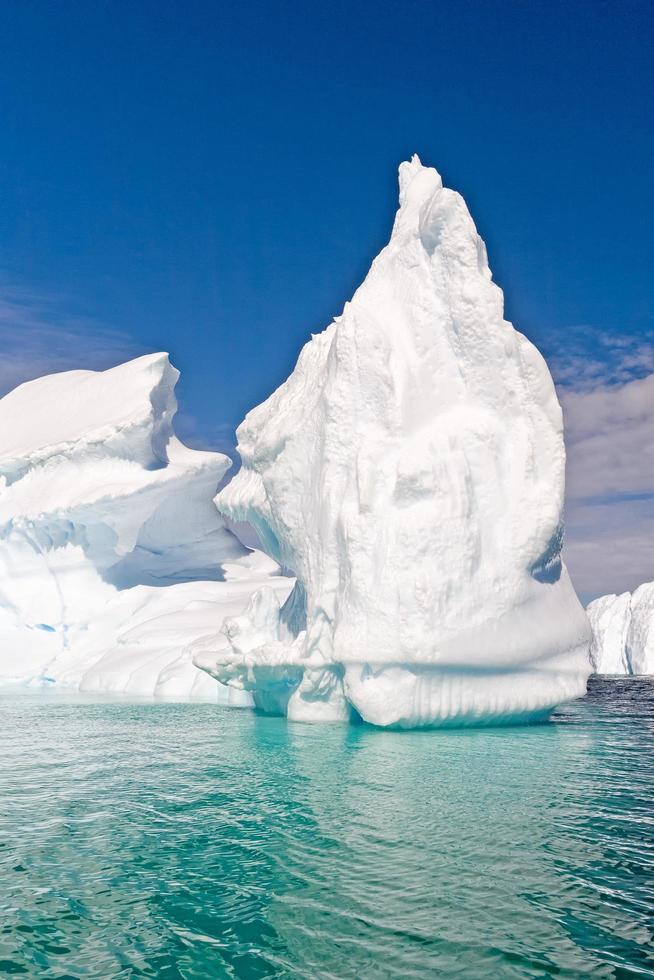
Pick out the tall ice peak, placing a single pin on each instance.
(410, 472)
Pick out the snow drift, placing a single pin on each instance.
(112, 554)
(410, 472)
(623, 632)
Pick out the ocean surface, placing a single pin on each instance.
(187, 840)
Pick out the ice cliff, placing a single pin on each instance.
(112, 554)
(623, 632)
(410, 473)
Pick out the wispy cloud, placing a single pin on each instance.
(38, 336)
(582, 358)
(607, 396)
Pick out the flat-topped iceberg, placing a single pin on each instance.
(623, 632)
(112, 553)
(410, 472)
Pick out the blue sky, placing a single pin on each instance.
(213, 179)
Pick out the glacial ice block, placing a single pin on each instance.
(112, 554)
(410, 473)
(623, 632)
(609, 618)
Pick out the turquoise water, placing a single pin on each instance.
(168, 840)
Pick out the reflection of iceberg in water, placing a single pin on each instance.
(461, 857)
(252, 847)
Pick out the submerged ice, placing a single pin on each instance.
(112, 554)
(410, 473)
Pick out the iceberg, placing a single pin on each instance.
(112, 554)
(623, 632)
(410, 474)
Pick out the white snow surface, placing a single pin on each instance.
(410, 473)
(112, 554)
(623, 632)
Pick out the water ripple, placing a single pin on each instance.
(189, 841)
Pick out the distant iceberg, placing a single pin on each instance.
(410, 472)
(623, 632)
(112, 554)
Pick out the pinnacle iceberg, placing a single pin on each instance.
(410, 473)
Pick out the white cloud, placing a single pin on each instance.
(610, 481)
(609, 546)
(609, 434)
